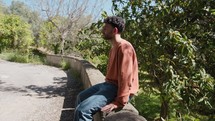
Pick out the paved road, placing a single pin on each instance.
(36, 93)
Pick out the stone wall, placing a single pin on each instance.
(89, 76)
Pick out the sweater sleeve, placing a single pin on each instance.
(125, 66)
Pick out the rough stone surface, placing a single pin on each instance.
(124, 115)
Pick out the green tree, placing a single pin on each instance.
(15, 33)
(3, 8)
(92, 47)
(48, 37)
(73, 15)
(174, 41)
(26, 13)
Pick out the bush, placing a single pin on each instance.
(65, 65)
(29, 57)
(18, 58)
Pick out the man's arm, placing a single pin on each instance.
(125, 69)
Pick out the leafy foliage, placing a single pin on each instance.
(3, 8)
(26, 14)
(49, 37)
(65, 65)
(92, 47)
(174, 41)
(15, 33)
(34, 56)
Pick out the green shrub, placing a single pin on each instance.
(65, 65)
(18, 58)
(21, 57)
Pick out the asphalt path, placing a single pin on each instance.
(30, 92)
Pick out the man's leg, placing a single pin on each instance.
(88, 107)
(87, 93)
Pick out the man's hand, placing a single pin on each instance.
(108, 108)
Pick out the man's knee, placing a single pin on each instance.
(83, 108)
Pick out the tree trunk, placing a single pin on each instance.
(164, 109)
(62, 45)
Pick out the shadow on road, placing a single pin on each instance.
(73, 87)
(12, 89)
(67, 87)
(58, 89)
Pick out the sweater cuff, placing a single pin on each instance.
(118, 104)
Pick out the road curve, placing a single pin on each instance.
(31, 92)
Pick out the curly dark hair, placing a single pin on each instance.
(116, 21)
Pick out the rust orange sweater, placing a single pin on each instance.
(122, 70)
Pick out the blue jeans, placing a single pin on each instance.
(91, 100)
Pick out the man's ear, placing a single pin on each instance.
(115, 30)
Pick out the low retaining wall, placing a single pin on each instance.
(89, 76)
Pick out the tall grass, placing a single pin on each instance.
(17, 56)
(65, 65)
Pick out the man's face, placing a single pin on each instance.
(108, 31)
